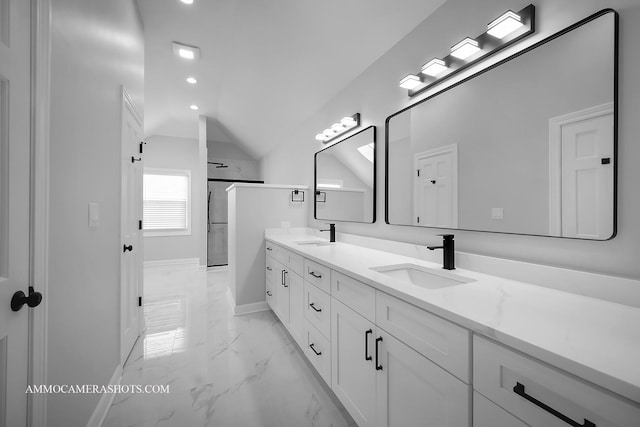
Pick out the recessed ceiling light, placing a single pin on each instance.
(185, 51)
(465, 48)
(506, 24)
(191, 80)
(187, 1)
(194, 107)
(410, 82)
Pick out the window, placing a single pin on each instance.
(167, 202)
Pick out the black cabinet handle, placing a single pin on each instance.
(269, 268)
(312, 305)
(519, 390)
(367, 356)
(269, 249)
(269, 293)
(284, 278)
(378, 366)
(318, 353)
(317, 276)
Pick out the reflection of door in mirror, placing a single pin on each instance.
(581, 173)
(436, 187)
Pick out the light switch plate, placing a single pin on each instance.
(497, 213)
(94, 215)
(285, 224)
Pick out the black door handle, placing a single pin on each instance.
(312, 305)
(433, 181)
(19, 299)
(133, 159)
(378, 366)
(366, 344)
(318, 353)
(127, 248)
(519, 390)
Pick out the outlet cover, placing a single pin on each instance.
(285, 224)
(497, 213)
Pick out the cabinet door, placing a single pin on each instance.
(413, 391)
(269, 281)
(353, 377)
(281, 288)
(296, 305)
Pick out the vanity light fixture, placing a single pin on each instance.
(503, 31)
(506, 24)
(466, 48)
(434, 67)
(191, 80)
(185, 51)
(344, 125)
(410, 82)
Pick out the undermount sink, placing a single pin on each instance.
(313, 243)
(423, 277)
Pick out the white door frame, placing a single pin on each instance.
(39, 217)
(555, 158)
(447, 149)
(128, 104)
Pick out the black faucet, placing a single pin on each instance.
(332, 232)
(448, 254)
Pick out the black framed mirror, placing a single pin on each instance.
(525, 146)
(345, 179)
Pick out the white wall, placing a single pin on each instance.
(375, 95)
(240, 163)
(97, 46)
(176, 153)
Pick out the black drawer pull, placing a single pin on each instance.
(378, 366)
(519, 390)
(269, 249)
(317, 276)
(284, 278)
(318, 353)
(269, 293)
(269, 268)
(312, 305)
(367, 356)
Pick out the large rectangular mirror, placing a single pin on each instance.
(345, 179)
(526, 146)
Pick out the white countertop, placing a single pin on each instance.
(596, 340)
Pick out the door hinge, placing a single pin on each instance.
(139, 301)
(418, 220)
(418, 171)
(140, 224)
(605, 160)
(141, 146)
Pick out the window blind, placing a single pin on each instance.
(166, 201)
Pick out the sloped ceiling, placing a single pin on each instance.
(264, 63)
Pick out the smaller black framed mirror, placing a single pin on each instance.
(345, 179)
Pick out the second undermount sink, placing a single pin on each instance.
(312, 243)
(423, 277)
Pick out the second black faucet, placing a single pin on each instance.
(448, 252)
(332, 232)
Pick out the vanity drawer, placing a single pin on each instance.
(291, 261)
(272, 250)
(317, 274)
(356, 295)
(512, 380)
(318, 352)
(441, 341)
(488, 414)
(317, 308)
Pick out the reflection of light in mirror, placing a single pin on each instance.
(186, 54)
(185, 51)
(320, 137)
(166, 320)
(337, 127)
(330, 183)
(504, 25)
(410, 82)
(367, 151)
(434, 67)
(348, 122)
(465, 48)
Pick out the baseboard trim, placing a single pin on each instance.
(186, 263)
(100, 413)
(254, 307)
(202, 268)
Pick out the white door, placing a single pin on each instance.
(436, 188)
(587, 178)
(15, 107)
(353, 377)
(296, 306)
(413, 391)
(131, 234)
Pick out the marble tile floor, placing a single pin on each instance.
(223, 371)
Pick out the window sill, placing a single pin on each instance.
(166, 233)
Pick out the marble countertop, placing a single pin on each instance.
(596, 340)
